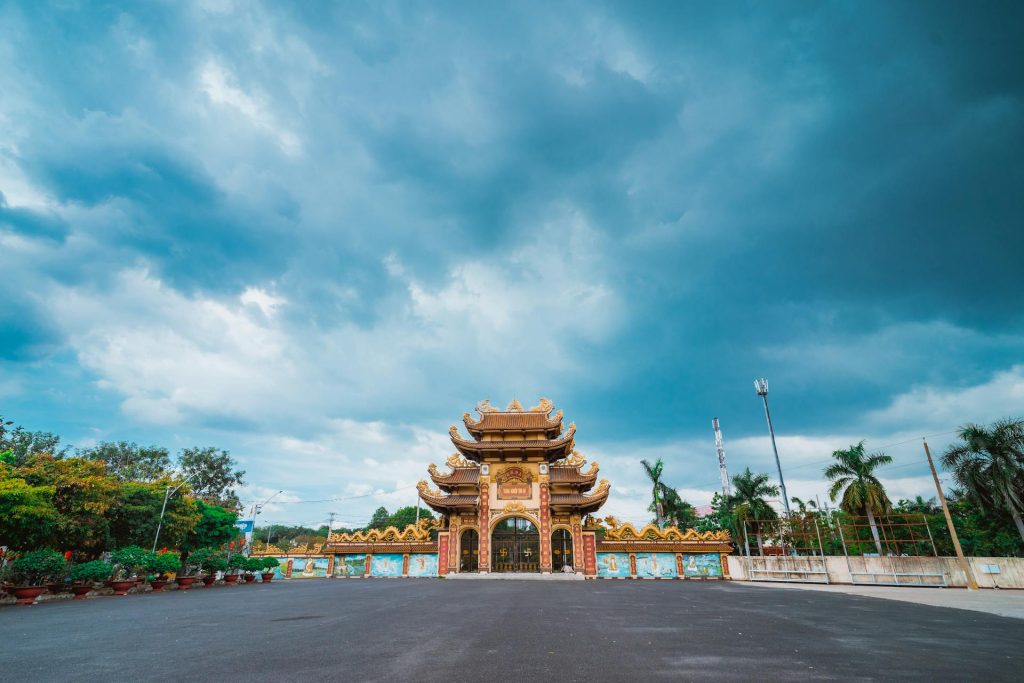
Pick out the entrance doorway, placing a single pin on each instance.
(469, 556)
(515, 545)
(561, 549)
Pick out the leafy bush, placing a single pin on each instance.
(253, 565)
(268, 564)
(237, 561)
(210, 560)
(131, 560)
(87, 572)
(165, 563)
(37, 567)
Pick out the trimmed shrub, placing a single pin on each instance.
(89, 572)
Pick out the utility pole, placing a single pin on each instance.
(330, 525)
(761, 386)
(964, 564)
(720, 447)
(171, 490)
(417, 510)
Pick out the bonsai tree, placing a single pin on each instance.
(91, 572)
(163, 564)
(37, 568)
(209, 560)
(268, 564)
(253, 565)
(131, 561)
(237, 562)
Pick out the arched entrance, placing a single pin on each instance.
(515, 546)
(561, 549)
(469, 555)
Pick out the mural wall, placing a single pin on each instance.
(349, 566)
(656, 565)
(423, 564)
(389, 564)
(284, 569)
(309, 567)
(614, 565)
(702, 564)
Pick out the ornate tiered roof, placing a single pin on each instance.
(515, 419)
(548, 449)
(443, 503)
(463, 473)
(583, 502)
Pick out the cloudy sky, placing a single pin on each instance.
(316, 234)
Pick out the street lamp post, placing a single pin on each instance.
(255, 510)
(171, 490)
(761, 386)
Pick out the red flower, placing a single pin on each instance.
(231, 545)
(67, 556)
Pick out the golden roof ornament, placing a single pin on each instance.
(455, 461)
(515, 406)
(485, 406)
(544, 406)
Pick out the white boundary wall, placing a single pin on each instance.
(1011, 569)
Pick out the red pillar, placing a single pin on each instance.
(483, 526)
(545, 528)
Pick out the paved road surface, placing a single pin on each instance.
(433, 630)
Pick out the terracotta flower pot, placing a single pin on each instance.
(27, 595)
(122, 587)
(209, 580)
(185, 582)
(81, 590)
(268, 577)
(230, 578)
(158, 585)
(249, 578)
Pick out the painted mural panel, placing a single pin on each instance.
(389, 564)
(702, 564)
(423, 564)
(309, 567)
(613, 564)
(656, 565)
(347, 566)
(284, 568)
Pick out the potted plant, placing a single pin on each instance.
(211, 562)
(162, 564)
(187, 576)
(85, 574)
(30, 573)
(128, 563)
(252, 565)
(235, 563)
(268, 565)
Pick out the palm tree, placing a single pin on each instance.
(654, 474)
(748, 501)
(802, 505)
(854, 472)
(989, 464)
(677, 511)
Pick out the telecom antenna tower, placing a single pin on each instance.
(726, 489)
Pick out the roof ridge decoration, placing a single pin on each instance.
(485, 406)
(411, 533)
(576, 460)
(616, 531)
(424, 488)
(456, 461)
(544, 406)
(514, 407)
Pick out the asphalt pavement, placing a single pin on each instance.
(438, 630)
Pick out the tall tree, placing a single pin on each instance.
(677, 511)
(18, 445)
(749, 501)
(216, 526)
(135, 512)
(129, 461)
(853, 475)
(653, 473)
(989, 464)
(211, 475)
(28, 518)
(380, 519)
